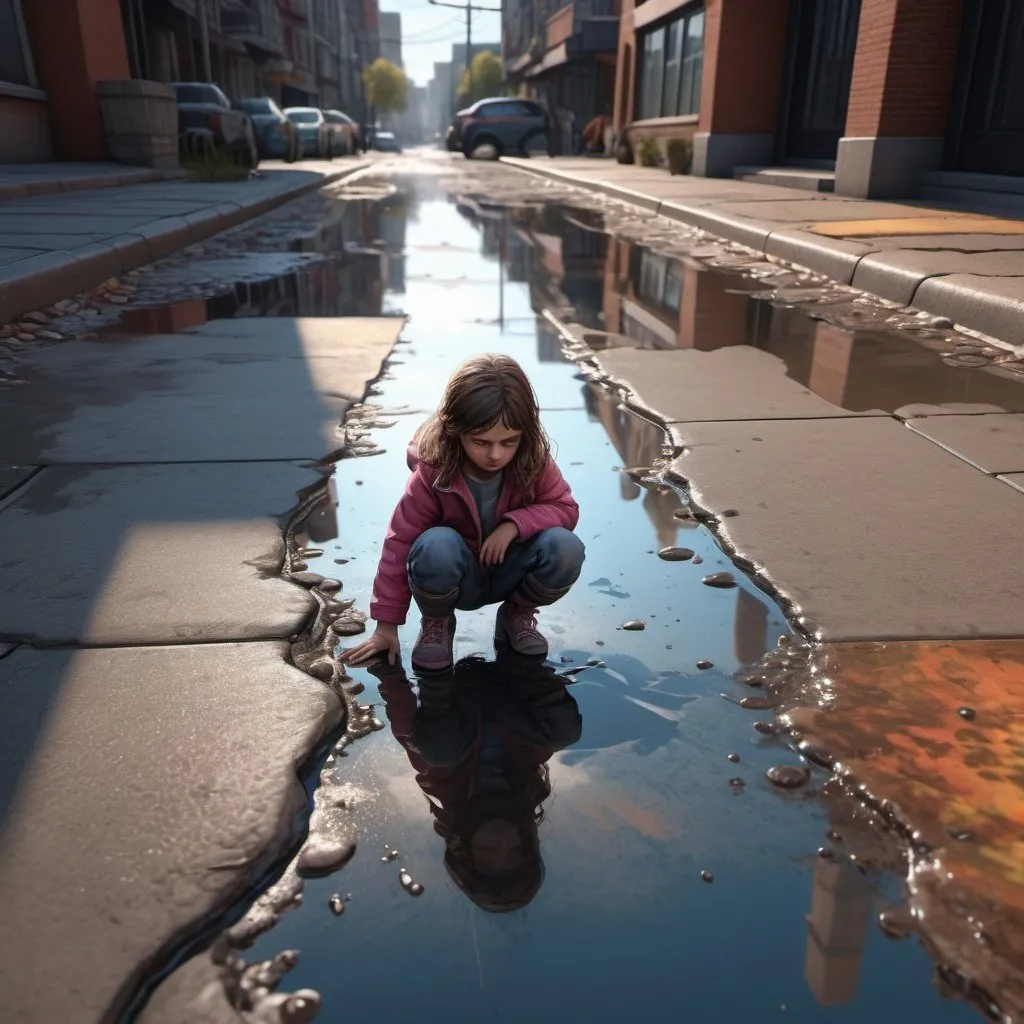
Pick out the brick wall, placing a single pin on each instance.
(904, 67)
(744, 50)
(76, 43)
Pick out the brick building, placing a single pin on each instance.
(53, 52)
(897, 97)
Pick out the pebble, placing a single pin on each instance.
(322, 669)
(826, 852)
(721, 580)
(735, 758)
(967, 714)
(329, 586)
(705, 664)
(788, 776)
(697, 560)
(707, 876)
(736, 783)
(411, 887)
(322, 856)
(757, 703)
(50, 335)
(730, 513)
(961, 835)
(36, 317)
(299, 566)
(634, 625)
(337, 905)
(674, 554)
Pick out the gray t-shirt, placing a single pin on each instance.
(486, 497)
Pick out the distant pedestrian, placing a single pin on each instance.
(486, 517)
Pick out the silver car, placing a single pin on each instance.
(314, 133)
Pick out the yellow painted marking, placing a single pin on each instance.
(945, 224)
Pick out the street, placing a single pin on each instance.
(793, 664)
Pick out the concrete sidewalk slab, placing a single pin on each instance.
(994, 305)
(170, 773)
(133, 225)
(151, 554)
(20, 180)
(896, 275)
(993, 443)
(735, 383)
(898, 528)
(1015, 480)
(274, 388)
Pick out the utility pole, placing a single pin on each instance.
(469, 7)
(204, 41)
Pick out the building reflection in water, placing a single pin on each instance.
(479, 740)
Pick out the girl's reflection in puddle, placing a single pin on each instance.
(479, 739)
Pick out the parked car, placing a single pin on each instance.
(276, 136)
(207, 123)
(313, 131)
(345, 129)
(505, 123)
(386, 142)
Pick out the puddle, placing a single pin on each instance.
(618, 849)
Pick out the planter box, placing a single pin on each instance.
(140, 121)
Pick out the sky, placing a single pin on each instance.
(428, 32)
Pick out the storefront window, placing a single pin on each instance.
(672, 60)
(15, 65)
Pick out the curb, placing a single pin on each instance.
(49, 186)
(44, 279)
(984, 305)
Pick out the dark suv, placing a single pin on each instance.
(506, 123)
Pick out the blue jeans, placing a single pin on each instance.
(440, 560)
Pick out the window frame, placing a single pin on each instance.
(668, 73)
(30, 87)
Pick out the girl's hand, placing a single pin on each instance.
(384, 638)
(492, 551)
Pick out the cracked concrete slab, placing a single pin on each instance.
(896, 275)
(992, 443)
(832, 522)
(143, 760)
(734, 383)
(1015, 480)
(273, 388)
(150, 554)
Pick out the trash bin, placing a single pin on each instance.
(140, 122)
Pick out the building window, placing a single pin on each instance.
(15, 59)
(671, 63)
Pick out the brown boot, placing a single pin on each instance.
(516, 622)
(432, 651)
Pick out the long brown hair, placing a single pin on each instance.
(483, 390)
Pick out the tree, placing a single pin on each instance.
(387, 88)
(485, 78)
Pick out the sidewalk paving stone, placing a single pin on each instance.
(735, 383)
(905, 529)
(151, 554)
(1014, 480)
(134, 224)
(12, 477)
(171, 774)
(993, 443)
(250, 388)
(896, 275)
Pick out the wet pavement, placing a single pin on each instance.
(640, 854)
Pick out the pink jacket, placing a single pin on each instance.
(425, 504)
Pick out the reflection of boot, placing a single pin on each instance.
(433, 649)
(516, 622)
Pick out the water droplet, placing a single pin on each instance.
(735, 758)
(967, 714)
(766, 728)
(736, 783)
(674, 554)
(707, 876)
(697, 560)
(834, 836)
(635, 625)
(788, 776)
(961, 835)
(826, 852)
(704, 664)
(730, 513)
(722, 580)
(411, 887)
(337, 905)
